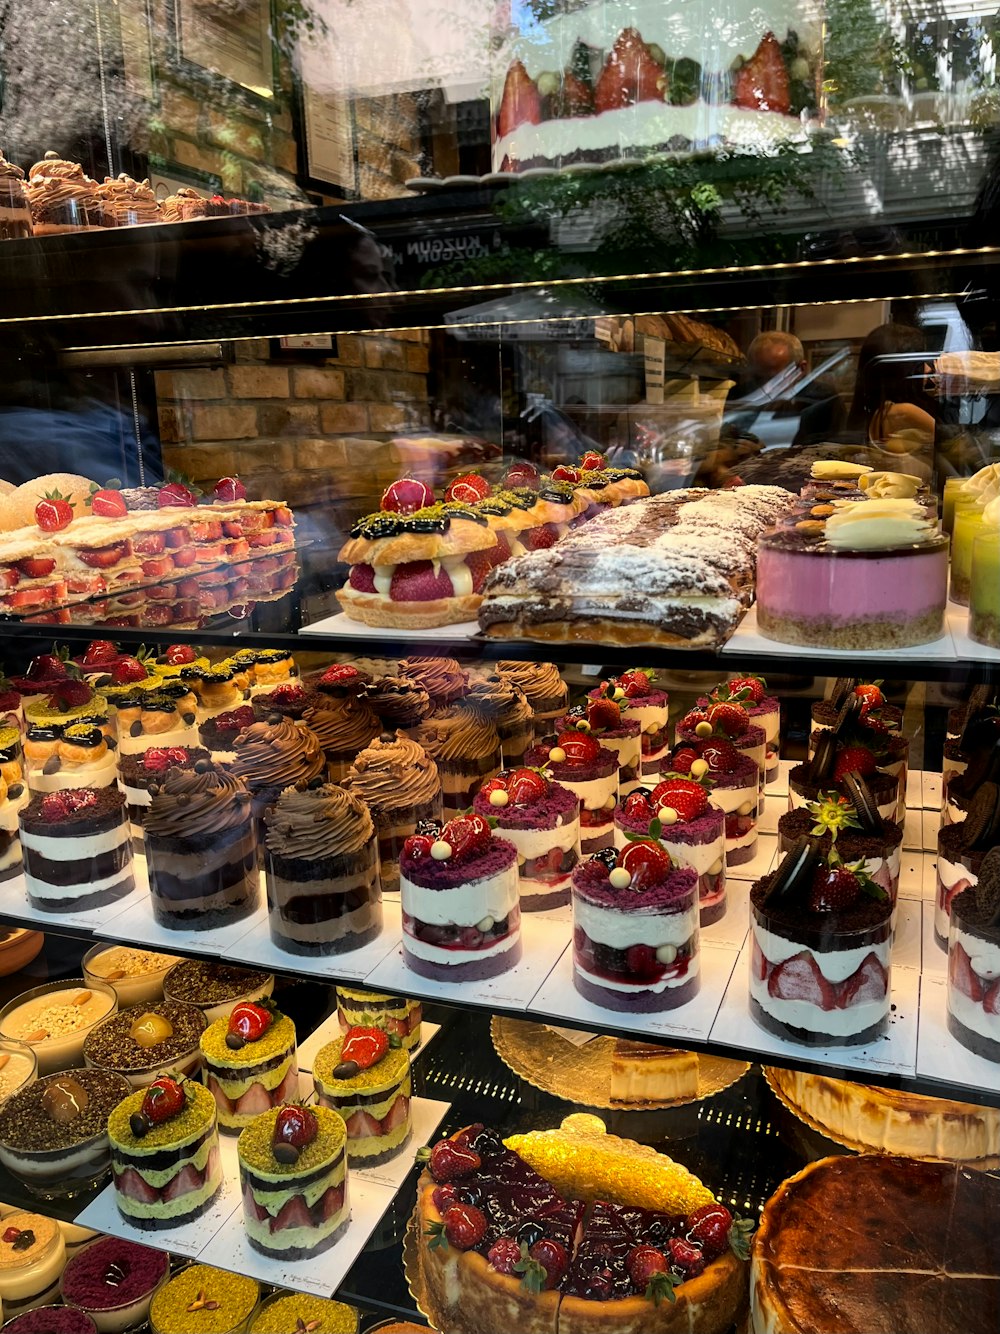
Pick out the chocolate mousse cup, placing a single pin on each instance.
(635, 949)
(503, 705)
(881, 853)
(343, 725)
(15, 211)
(699, 844)
(542, 686)
(273, 755)
(822, 979)
(595, 784)
(136, 777)
(546, 834)
(322, 872)
(974, 969)
(82, 860)
(883, 786)
(201, 850)
(466, 749)
(398, 782)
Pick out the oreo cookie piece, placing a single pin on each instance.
(987, 889)
(860, 796)
(794, 875)
(981, 829)
(849, 715)
(842, 687)
(824, 758)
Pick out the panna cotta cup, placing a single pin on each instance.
(113, 1281)
(55, 1018)
(18, 1067)
(31, 1262)
(137, 976)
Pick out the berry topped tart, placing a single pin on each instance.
(821, 950)
(458, 892)
(577, 761)
(763, 710)
(542, 820)
(647, 706)
(692, 829)
(610, 723)
(635, 927)
(572, 1230)
(725, 720)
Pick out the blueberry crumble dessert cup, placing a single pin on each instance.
(542, 820)
(647, 706)
(610, 724)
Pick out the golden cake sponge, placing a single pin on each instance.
(582, 1160)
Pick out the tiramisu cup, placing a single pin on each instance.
(15, 211)
(322, 871)
(542, 686)
(398, 782)
(576, 761)
(466, 749)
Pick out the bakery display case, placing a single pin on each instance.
(500, 716)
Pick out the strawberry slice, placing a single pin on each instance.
(332, 1202)
(130, 1184)
(869, 983)
(800, 979)
(761, 83)
(991, 1001)
(758, 964)
(521, 103)
(250, 1206)
(293, 1213)
(362, 1125)
(36, 567)
(397, 1115)
(961, 974)
(187, 1180)
(254, 1101)
(630, 75)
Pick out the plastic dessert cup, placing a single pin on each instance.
(30, 1274)
(55, 1018)
(546, 834)
(969, 523)
(113, 1281)
(699, 844)
(952, 489)
(53, 1134)
(283, 1311)
(595, 784)
(177, 1304)
(52, 1320)
(18, 1067)
(167, 1043)
(974, 977)
(984, 593)
(737, 794)
(397, 1015)
(136, 975)
(635, 950)
(215, 987)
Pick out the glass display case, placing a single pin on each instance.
(500, 579)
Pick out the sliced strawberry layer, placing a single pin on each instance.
(102, 558)
(961, 974)
(800, 979)
(257, 1098)
(130, 1184)
(946, 895)
(593, 819)
(362, 1125)
(297, 1213)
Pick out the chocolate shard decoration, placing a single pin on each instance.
(824, 758)
(794, 875)
(859, 794)
(981, 830)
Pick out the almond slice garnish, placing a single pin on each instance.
(81, 998)
(39, 1035)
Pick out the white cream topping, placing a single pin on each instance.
(620, 929)
(949, 873)
(730, 799)
(877, 525)
(454, 567)
(466, 905)
(179, 736)
(531, 843)
(983, 956)
(835, 965)
(96, 775)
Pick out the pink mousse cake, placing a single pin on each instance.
(576, 761)
(647, 706)
(635, 929)
(961, 850)
(458, 892)
(542, 820)
(974, 962)
(820, 958)
(691, 829)
(611, 725)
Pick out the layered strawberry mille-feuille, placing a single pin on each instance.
(418, 562)
(117, 542)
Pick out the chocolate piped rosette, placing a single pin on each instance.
(589, 770)
(851, 821)
(725, 720)
(250, 1063)
(137, 773)
(542, 687)
(542, 820)
(974, 962)
(165, 1163)
(364, 1077)
(465, 747)
(636, 928)
(459, 898)
(821, 950)
(692, 830)
(398, 782)
(77, 849)
(961, 850)
(649, 707)
(293, 1176)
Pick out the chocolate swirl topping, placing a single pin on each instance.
(319, 822)
(399, 701)
(500, 701)
(457, 732)
(536, 680)
(190, 803)
(393, 773)
(442, 678)
(277, 754)
(340, 723)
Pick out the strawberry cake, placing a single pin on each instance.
(459, 897)
(250, 1063)
(960, 852)
(611, 725)
(576, 761)
(606, 82)
(364, 1077)
(635, 928)
(828, 768)
(821, 934)
(692, 830)
(735, 788)
(974, 962)
(648, 707)
(542, 820)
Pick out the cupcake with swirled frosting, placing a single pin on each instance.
(63, 198)
(399, 701)
(399, 783)
(444, 679)
(322, 867)
(542, 686)
(466, 749)
(343, 725)
(15, 211)
(201, 849)
(272, 755)
(126, 202)
(507, 708)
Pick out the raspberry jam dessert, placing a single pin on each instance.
(577, 762)
(114, 1281)
(542, 820)
(691, 829)
(77, 849)
(852, 822)
(609, 723)
(635, 929)
(725, 720)
(647, 706)
(458, 891)
(961, 850)
(821, 944)
(974, 962)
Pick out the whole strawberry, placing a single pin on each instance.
(709, 1228)
(406, 496)
(54, 512)
(228, 489)
(728, 718)
(870, 695)
(247, 1023)
(449, 1161)
(462, 1226)
(683, 797)
(362, 1048)
(752, 687)
(854, 760)
(833, 889)
(294, 1128)
(461, 839)
(175, 495)
(603, 714)
(164, 1098)
(106, 503)
(468, 488)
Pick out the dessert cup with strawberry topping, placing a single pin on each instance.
(321, 866)
(636, 929)
(852, 822)
(398, 1015)
(646, 705)
(250, 1063)
(542, 686)
(218, 733)
(68, 701)
(289, 700)
(826, 712)
(609, 723)
(165, 1163)
(974, 962)
(459, 895)
(77, 849)
(735, 780)
(466, 749)
(827, 769)
(869, 745)
(820, 964)
(364, 1077)
(398, 782)
(293, 1177)
(542, 820)
(961, 850)
(137, 773)
(14, 796)
(692, 830)
(576, 761)
(59, 756)
(763, 710)
(728, 721)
